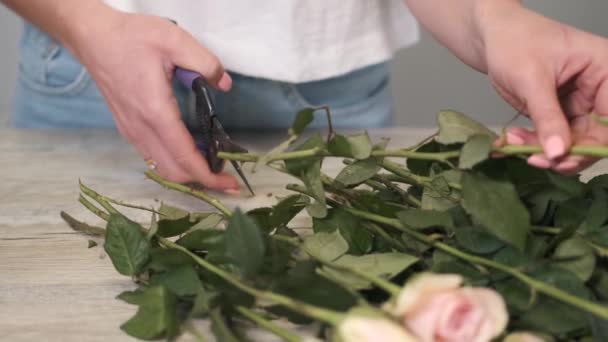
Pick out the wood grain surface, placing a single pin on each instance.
(52, 288)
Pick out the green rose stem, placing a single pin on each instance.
(544, 288)
(321, 314)
(321, 152)
(382, 283)
(133, 206)
(379, 183)
(325, 315)
(92, 208)
(599, 250)
(539, 286)
(403, 175)
(582, 150)
(189, 191)
(268, 325)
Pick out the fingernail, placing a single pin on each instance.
(232, 192)
(554, 147)
(539, 161)
(225, 83)
(514, 139)
(567, 166)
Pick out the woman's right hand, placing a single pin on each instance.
(132, 58)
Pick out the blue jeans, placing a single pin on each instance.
(54, 90)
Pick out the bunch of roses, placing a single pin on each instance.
(434, 308)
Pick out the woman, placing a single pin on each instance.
(284, 54)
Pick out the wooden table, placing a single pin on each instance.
(52, 288)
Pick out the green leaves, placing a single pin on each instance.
(353, 230)
(181, 281)
(244, 243)
(302, 120)
(327, 246)
(297, 166)
(422, 219)
(455, 127)
(312, 179)
(309, 170)
(577, 256)
(203, 240)
(126, 245)
(495, 205)
(537, 237)
(550, 315)
(475, 150)
(359, 171)
(175, 221)
(478, 240)
(155, 317)
(386, 265)
(358, 146)
(287, 209)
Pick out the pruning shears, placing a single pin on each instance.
(211, 138)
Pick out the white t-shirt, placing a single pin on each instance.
(290, 40)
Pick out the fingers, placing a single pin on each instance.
(173, 136)
(574, 163)
(186, 52)
(549, 120)
(570, 164)
(522, 136)
(592, 95)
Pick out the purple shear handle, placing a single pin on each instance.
(187, 77)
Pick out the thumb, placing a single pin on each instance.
(549, 120)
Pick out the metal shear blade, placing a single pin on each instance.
(210, 137)
(223, 143)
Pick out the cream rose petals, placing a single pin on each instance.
(435, 307)
(362, 326)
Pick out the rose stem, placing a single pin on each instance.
(268, 325)
(92, 208)
(582, 150)
(320, 152)
(386, 285)
(325, 315)
(189, 191)
(539, 286)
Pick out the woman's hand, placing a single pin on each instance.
(132, 57)
(551, 72)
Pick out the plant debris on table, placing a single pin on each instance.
(390, 218)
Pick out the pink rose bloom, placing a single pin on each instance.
(435, 307)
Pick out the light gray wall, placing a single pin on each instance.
(427, 77)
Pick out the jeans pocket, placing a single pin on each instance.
(47, 67)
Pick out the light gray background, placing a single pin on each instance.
(426, 78)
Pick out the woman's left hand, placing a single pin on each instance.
(554, 73)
